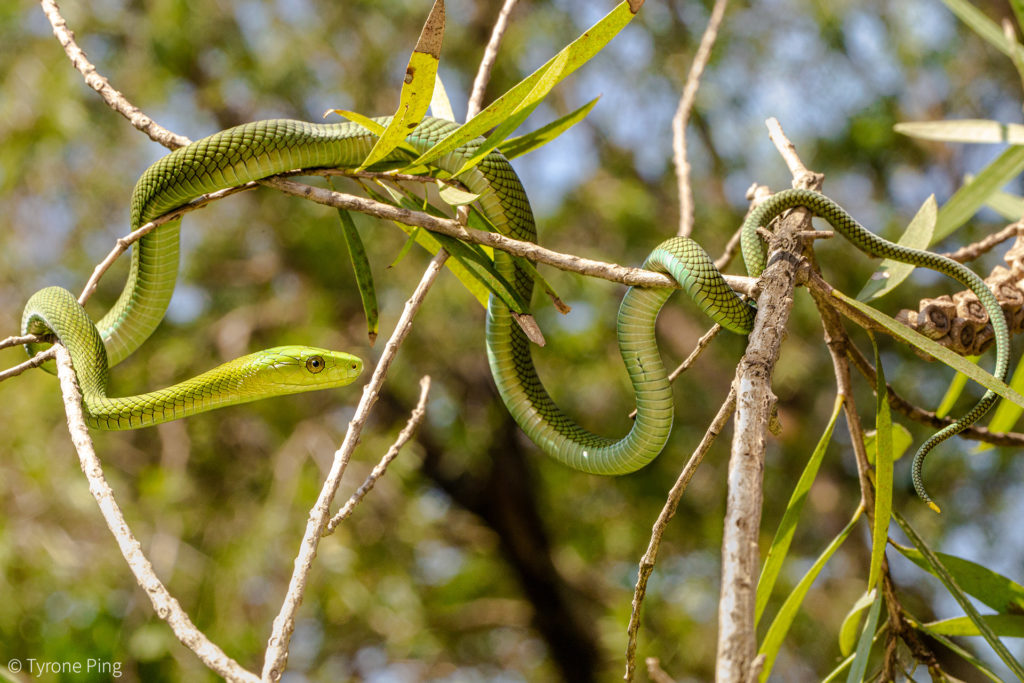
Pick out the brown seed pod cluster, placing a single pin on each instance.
(960, 322)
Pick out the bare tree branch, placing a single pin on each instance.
(682, 116)
(483, 74)
(164, 604)
(675, 494)
(319, 515)
(403, 437)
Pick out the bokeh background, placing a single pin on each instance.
(476, 558)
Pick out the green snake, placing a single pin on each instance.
(264, 148)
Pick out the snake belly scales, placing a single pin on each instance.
(264, 148)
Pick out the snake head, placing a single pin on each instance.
(293, 369)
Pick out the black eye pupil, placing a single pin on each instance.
(315, 364)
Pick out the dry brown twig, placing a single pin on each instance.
(682, 116)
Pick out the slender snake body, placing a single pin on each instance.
(264, 148)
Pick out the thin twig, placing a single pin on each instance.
(97, 82)
(682, 116)
(655, 672)
(319, 515)
(403, 437)
(986, 244)
(33, 362)
(702, 344)
(483, 73)
(165, 606)
(660, 524)
(530, 250)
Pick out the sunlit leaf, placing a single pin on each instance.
(890, 273)
(963, 130)
(417, 89)
(982, 25)
(514, 147)
(515, 100)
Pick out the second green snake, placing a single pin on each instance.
(257, 150)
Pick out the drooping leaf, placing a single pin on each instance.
(364, 276)
(963, 653)
(455, 196)
(848, 632)
(515, 100)
(890, 273)
(417, 89)
(787, 525)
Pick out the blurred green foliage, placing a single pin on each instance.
(475, 558)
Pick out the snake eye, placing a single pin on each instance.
(315, 364)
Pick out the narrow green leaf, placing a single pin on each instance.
(576, 54)
(417, 89)
(440, 105)
(455, 196)
(965, 655)
(940, 353)
(848, 632)
(1003, 625)
(902, 440)
(939, 570)
(883, 471)
(991, 588)
(963, 130)
(954, 390)
(355, 117)
(514, 147)
(890, 273)
(981, 24)
(780, 625)
(551, 77)
(1006, 413)
(966, 201)
(1018, 12)
(364, 276)
(787, 525)
(1009, 206)
(860, 662)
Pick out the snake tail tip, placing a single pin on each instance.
(935, 508)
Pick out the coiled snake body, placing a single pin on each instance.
(257, 150)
